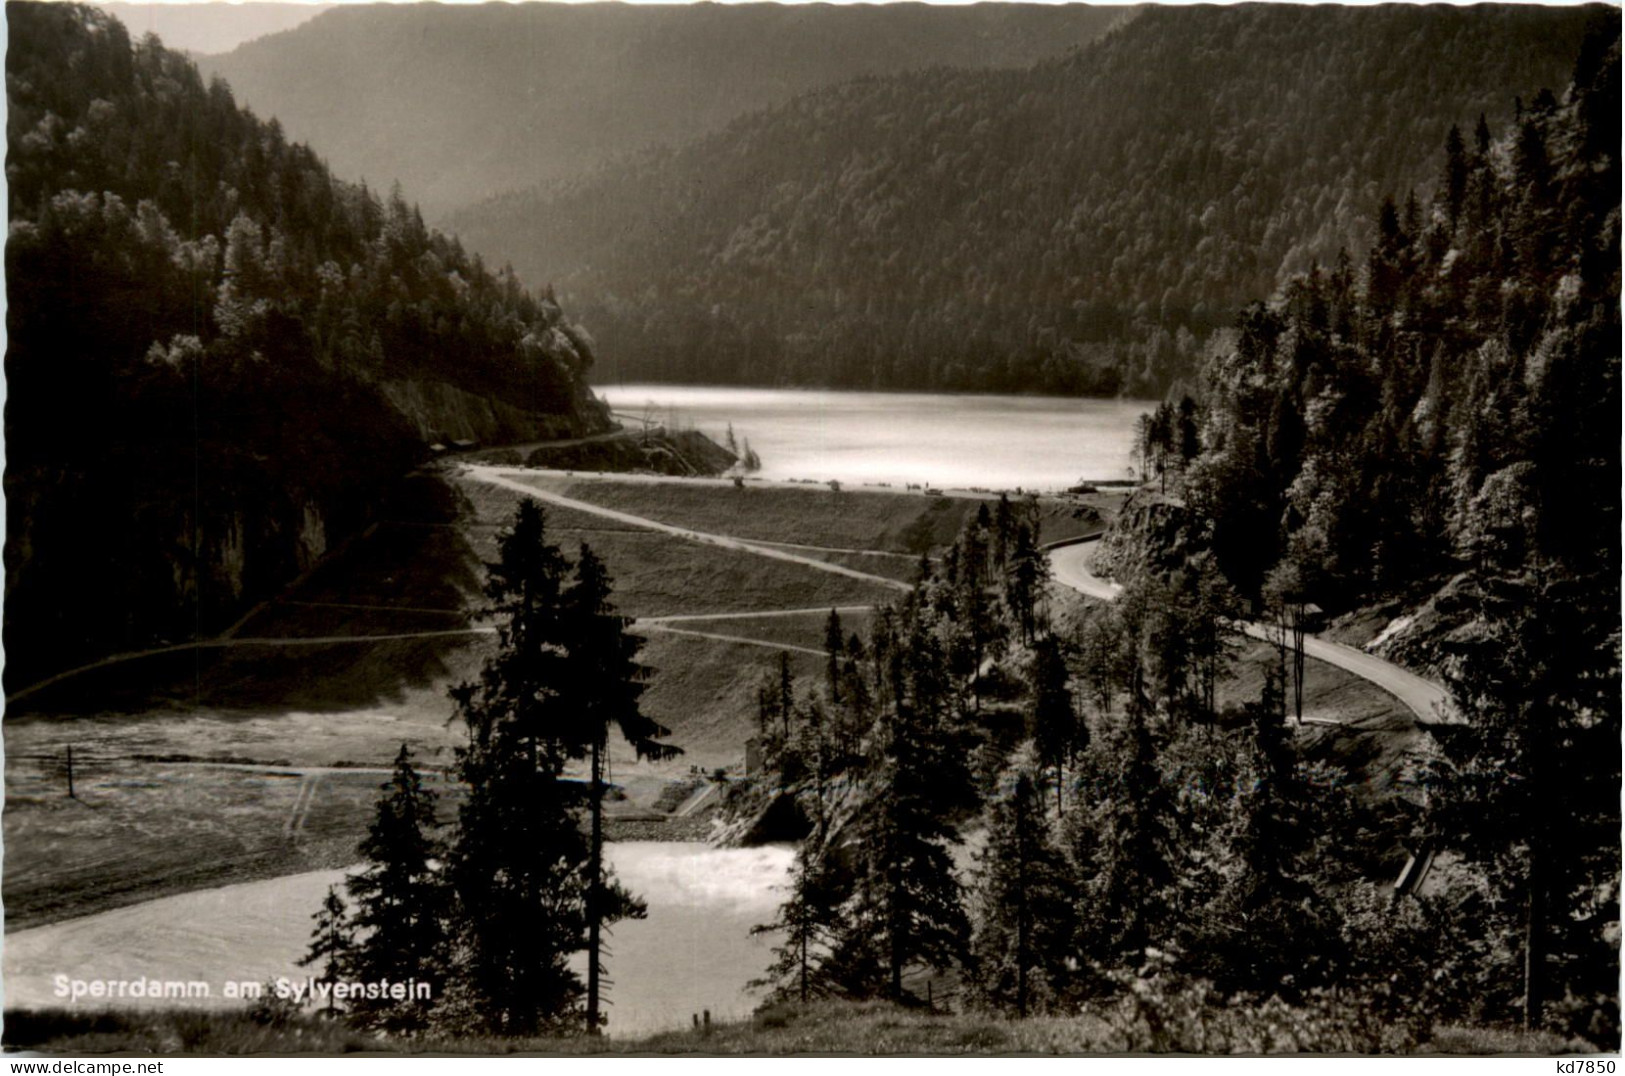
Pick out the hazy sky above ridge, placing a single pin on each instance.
(211, 27)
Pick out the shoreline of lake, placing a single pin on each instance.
(901, 439)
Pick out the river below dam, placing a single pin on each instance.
(940, 439)
(693, 953)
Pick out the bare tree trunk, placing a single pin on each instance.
(805, 926)
(1532, 955)
(1297, 665)
(896, 960)
(595, 882)
(1281, 649)
(1021, 904)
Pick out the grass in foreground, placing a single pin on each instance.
(822, 1028)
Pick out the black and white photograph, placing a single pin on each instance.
(897, 529)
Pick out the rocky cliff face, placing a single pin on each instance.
(195, 551)
(230, 554)
(1153, 533)
(1156, 533)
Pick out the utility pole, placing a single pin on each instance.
(70, 773)
(595, 883)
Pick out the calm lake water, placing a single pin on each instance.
(693, 952)
(995, 442)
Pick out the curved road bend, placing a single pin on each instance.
(1427, 700)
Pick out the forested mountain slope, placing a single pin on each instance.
(1440, 421)
(218, 353)
(1450, 401)
(461, 102)
(1077, 226)
(1441, 415)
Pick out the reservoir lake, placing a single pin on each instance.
(937, 439)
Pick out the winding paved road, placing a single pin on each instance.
(1069, 564)
(1427, 700)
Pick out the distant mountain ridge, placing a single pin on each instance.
(1078, 226)
(209, 27)
(463, 102)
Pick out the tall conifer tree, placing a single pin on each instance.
(519, 861)
(400, 901)
(602, 688)
(906, 913)
(1056, 730)
(332, 941)
(1021, 898)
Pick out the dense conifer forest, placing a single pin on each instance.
(1439, 417)
(1080, 226)
(1442, 420)
(214, 346)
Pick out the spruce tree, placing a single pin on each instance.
(1455, 174)
(906, 912)
(1025, 580)
(331, 943)
(834, 645)
(817, 885)
(775, 712)
(978, 629)
(1054, 725)
(786, 695)
(1004, 522)
(806, 920)
(1212, 643)
(1132, 872)
(400, 901)
(519, 860)
(603, 687)
(1269, 929)
(1100, 654)
(853, 716)
(1021, 899)
(1190, 434)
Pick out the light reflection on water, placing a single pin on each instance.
(996, 442)
(695, 950)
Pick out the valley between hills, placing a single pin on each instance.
(259, 753)
(1301, 738)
